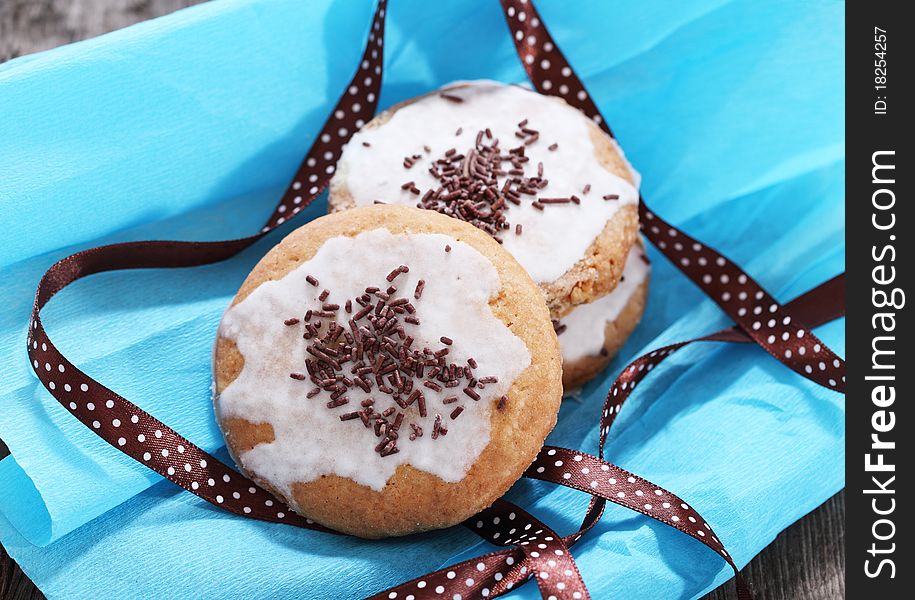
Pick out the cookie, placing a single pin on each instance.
(387, 370)
(529, 169)
(591, 334)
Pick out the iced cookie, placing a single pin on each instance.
(591, 334)
(387, 370)
(528, 169)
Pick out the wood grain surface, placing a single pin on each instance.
(805, 562)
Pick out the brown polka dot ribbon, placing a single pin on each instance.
(531, 549)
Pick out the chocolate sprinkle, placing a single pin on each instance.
(393, 274)
(338, 402)
(437, 427)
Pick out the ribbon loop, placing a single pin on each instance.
(599, 478)
(594, 476)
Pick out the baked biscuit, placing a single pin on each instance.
(387, 370)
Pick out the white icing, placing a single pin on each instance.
(585, 324)
(310, 439)
(553, 240)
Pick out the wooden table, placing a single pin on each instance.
(805, 562)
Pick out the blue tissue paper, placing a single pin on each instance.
(189, 126)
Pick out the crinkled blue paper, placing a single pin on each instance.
(188, 127)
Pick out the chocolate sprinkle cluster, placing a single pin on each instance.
(373, 357)
(469, 187)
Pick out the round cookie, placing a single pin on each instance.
(463, 371)
(585, 353)
(570, 189)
